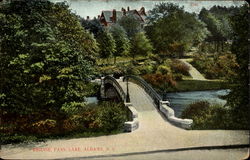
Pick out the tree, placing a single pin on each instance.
(121, 41)
(94, 25)
(46, 58)
(130, 24)
(106, 44)
(238, 98)
(174, 31)
(217, 22)
(140, 45)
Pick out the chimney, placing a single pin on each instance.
(142, 11)
(128, 8)
(124, 11)
(114, 15)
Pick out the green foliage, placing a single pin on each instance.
(206, 116)
(112, 116)
(198, 85)
(140, 45)
(217, 20)
(44, 54)
(94, 26)
(130, 24)
(121, 41)
(238, 98)
(106, 44)
(170, 34)
(164, 69)
(219, 67)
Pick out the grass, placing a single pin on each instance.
(110, 61)
(198, 85)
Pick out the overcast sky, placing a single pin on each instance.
(93, 8)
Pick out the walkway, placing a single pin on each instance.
(154, 136)
(194, 73)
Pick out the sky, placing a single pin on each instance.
(93, 8)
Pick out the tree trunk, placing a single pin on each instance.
(217, 46)
(222, 46)
(114, 59)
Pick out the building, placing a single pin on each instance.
(108, 18)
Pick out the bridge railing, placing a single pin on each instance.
(148, 88)
(114, 82)
(163, 106)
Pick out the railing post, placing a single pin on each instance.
(127, 96)
(102, 89)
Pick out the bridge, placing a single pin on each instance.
(139, 96)
(154, 135)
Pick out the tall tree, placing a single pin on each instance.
(94, 25)
(130, 24)
(238, 98)
(45, 57)
(106, 44)
(140, 45)
(171, 26)
(121, 41)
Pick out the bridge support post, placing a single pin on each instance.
(102, 89)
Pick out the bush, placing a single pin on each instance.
(163, 69)
(160, 81)
(112, 116)
(179, 67)
(220, 66)
(206, 116)
(47, 126)
(178, 77)
(145, 69)
(105, 117)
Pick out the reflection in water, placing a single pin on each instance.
(179, 101)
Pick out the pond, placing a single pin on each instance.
(180, 100)
(91, 100)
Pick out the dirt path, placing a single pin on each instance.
(195, 74)
(154, 134)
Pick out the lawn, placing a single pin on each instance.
(198, 85)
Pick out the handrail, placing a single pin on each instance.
(148, 88)
(112, 79)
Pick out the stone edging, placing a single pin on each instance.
(169, 113)
(130, 126)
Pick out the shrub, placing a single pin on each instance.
(160, 81)
(179, 67)
(221, 66)
(178, 77)
(145, 69)
(163, 69)
(131, 70)
(112, 116)
(206, 116)
(47, 126)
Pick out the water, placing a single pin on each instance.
(93, 8)
(91, 100)
(179, 101)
